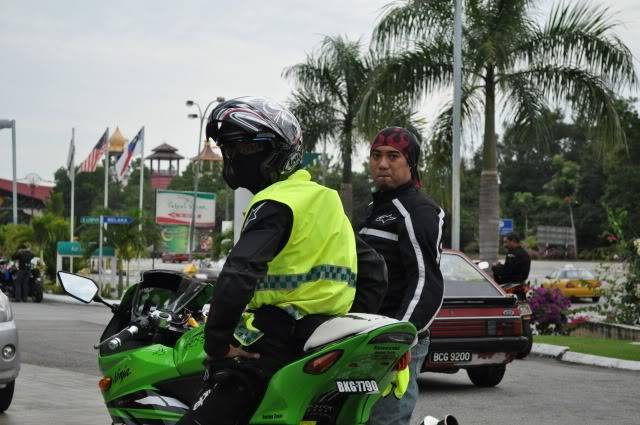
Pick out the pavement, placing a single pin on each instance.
(557, 352)
(44, 394)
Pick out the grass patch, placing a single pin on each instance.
(615, 348)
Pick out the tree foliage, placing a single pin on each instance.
(512, 65)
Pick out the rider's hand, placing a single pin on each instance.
(239, 352)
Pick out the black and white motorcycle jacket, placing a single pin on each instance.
(405, 227)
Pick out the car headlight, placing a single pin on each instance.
(5, 309)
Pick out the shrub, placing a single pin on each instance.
(576, 321)
(621, 302)
(622, 294)
(550, 309)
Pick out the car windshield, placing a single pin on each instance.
(579, 274)
(462, 279)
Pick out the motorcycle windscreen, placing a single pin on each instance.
(168, 291)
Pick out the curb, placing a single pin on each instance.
(562, 353)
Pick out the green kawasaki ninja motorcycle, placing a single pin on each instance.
(151, 357)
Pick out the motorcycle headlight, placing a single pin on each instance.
(5, 309)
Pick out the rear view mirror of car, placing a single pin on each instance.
(79, 287)
(483, 265)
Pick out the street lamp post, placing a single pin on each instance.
(196, 174)
(12, 125)
(457, 100)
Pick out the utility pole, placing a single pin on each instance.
(12, 125)
(457, 100)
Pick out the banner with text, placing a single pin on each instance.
(176, 207)
(174, 239)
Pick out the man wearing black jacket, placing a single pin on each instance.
(405, 227)
(23, 259)
(516, 264)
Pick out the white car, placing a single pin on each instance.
(9, 356)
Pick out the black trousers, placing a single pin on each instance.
(233, 389)
(21, 285)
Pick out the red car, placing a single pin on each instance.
(479, 328)
(168, 257)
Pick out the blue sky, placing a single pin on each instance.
(91, 65)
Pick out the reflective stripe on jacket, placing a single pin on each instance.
(315, 272)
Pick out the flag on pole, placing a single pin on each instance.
(133, 148)
(89, 164)
(71, 155)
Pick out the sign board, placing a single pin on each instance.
(555, 235)
(176, 208)
(174, 239)
(506, 226)
(310, 157)
(69, 249)
(87, 219)
(107, 251)
(115, 219)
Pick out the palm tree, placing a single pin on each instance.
(510, 62)
(331, 82)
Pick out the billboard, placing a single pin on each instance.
(174, 239)
(176, 208)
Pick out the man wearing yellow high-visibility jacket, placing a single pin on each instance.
(294, 265)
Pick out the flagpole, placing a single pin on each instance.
(141, 174)
(106, 203)
(72, 172)
(106, 173)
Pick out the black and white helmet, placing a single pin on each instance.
(258, 119)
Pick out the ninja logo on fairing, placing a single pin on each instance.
(121, 375)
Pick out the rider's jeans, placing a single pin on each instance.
(390, 410)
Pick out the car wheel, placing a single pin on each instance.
(526, 331)
(487, 376)
(595, 299)
(6, 395)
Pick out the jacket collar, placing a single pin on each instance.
(382, 196)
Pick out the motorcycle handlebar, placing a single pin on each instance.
(114, 342)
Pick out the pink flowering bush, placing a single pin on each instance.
(550, 309)
(575, 322)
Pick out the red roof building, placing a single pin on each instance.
(37, 192)
(31, 199)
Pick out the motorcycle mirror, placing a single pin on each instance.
(483, 265)
(79, 287)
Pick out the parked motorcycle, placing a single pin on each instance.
(35, 286)
(151, 355)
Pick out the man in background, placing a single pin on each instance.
(23, 258)
(517, 262)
